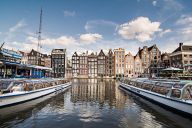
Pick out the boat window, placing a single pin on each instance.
(29, 86)
(52, 83)
(26, 87)
(178, 85)
(47, 84)
(132, 83)
(147, 86)
(160, 89)
(36, 86)
(167, 85)
(17, 86)
(4, 85)
(138, 84)
(176, 93)
(187, 93)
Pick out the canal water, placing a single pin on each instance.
(91, 103)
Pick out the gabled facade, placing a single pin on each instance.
(165, 60)
(144, 55)
(58, 62)
(119, 62)
(24, 59)
(110, 64)
(155, 60)
(36, 58)
(138, 69)
(101, 60)
(75, 65)
(83, 65)
(129, 65)
(92, 65)
(150, 58)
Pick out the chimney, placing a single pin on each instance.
(86, 52)
(180, 44)
(139, 48)
(95, 53)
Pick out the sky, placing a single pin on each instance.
(92, 25)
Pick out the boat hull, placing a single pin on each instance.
(10, 100)
(173, 104)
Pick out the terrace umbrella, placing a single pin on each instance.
(172, 69)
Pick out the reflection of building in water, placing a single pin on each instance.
(120, 98)
(148, 121)
(97, 90)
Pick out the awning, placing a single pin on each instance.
(25, 65)
(172, 69)
(187, 65)
(41, 67)
(12, 63)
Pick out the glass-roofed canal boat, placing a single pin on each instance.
(175, 95)
(16, 91)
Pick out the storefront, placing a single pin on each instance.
(11, 67)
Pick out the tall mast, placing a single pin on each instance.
(39, 32)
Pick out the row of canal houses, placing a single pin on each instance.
(93, 65)
(116, 63)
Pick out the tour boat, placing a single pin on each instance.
(176, 95)
(13, 92)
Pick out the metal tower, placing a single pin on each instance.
(39, 46)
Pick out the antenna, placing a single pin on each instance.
(39, 33)
(2, 45)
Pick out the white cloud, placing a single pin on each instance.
(62, 40)
(141, 29)
(187, 30)
(184, 25)
(15, 45)
(184, 20)
(173, 5)
(90, 38)
(154, 3)
(161, 34)
(15, 31)
(69, 13)
(16, 27)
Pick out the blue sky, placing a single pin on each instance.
(81, 25)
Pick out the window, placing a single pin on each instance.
(176, 93)
(147, 86)
(187, 95)
(185, 62)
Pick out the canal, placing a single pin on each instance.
(91, 103)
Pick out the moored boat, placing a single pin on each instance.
(13, 92)
(176, 95)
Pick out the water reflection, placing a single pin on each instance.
(103, 92)
(93, 103)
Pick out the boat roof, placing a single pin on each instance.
(174, 84)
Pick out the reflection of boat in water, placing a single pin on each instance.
(14, 92)
(175, 95)
(28, 107)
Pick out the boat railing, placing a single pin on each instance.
(30, 85)
(177, 89)
(187, 92)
